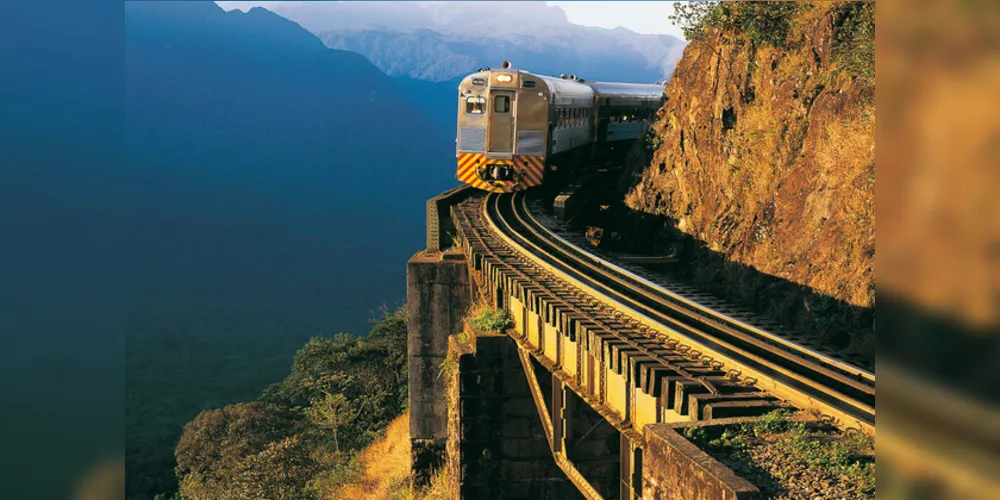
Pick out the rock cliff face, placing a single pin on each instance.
(767, 155)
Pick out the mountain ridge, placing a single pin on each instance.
(439, 42)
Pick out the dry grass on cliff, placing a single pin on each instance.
(387, 470)
(387, 466)
(847, 155)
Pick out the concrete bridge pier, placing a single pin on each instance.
(499, 447)
(438, 295)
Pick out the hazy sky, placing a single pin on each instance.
(641, 17)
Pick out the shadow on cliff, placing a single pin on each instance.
(830, 321)
(942, 349)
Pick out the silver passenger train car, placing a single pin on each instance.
(517, 128)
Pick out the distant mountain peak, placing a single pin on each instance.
(439, 41)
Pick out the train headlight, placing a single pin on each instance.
(504, 78)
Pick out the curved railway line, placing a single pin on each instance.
(652, 329)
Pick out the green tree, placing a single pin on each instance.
(215, 445)
(280, 471)
(218, 439)
(369, 372)
(332, 412)
(390, 332)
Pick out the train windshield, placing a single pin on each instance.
(475, 104)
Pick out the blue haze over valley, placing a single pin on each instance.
(278, 168)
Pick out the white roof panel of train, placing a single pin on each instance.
(643, 91)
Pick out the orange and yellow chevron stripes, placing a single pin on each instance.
(467, 164)
(532, 168)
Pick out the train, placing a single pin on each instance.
(518, 130)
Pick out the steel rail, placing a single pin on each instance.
(624, 338)
(527, 218)
(594, 318)
(842, 365)
(863, 412)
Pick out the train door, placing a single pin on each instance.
(501, 122)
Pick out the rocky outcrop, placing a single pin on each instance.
(766, 153)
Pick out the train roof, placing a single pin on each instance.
(630, 91)
(563, 91)
(572, 92)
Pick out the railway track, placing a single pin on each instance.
(700, 353)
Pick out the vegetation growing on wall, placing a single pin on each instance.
(492, 320)
(788, 458)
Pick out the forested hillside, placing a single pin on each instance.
(300, 439)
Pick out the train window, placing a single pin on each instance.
(528, 84)
(501, 104)
(475, 104)
(479, 82)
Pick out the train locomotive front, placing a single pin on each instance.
(502, 120)
(515, 128)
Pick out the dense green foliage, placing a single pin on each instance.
(370, 374)
(299, 439)
(761, 22)
(492, 320)
(769, 23)
(184, 357)
(854, 46)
